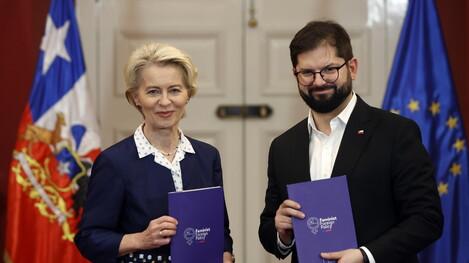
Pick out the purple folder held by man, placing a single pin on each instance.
(200, 230)
(328, 224)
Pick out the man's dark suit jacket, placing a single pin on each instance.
(394, 199)
(125, 193)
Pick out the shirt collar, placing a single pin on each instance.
(343, 116)
(144, 147)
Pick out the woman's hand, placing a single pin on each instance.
(158, 233)
(228, 257)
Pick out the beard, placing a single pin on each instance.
(325, 103)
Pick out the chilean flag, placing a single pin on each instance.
(56, 146)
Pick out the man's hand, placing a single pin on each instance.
(283, 221)
(228, 257)
(344, 256)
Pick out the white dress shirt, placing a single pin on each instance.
(323, 148)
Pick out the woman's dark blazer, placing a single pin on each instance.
(125, 193)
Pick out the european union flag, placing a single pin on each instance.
(420, 87)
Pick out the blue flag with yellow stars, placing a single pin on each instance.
(421, 88)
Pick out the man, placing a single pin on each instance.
(394, 200)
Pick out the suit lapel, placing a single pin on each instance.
(356, 136)
(188, 170)
(299, 154)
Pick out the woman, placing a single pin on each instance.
(125, 215)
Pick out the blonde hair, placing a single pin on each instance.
(158, 54)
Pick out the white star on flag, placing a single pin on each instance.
(53, 43)
(64, 167)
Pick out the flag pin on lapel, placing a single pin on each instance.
(361, 132)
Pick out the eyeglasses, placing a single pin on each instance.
(328, 74)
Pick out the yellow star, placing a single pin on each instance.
(396, 111)
(452, 122)
(435, 108)
(442, 188)
(413, 105)
(455, 169)
(459, 145)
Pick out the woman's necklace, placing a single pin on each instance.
(168, 153)
(164, 153)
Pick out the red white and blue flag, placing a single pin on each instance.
(56, 146)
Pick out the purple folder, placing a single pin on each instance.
(200, 231)
(328, 224)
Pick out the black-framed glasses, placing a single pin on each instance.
(328, 74)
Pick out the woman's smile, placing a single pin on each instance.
(165, 114)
